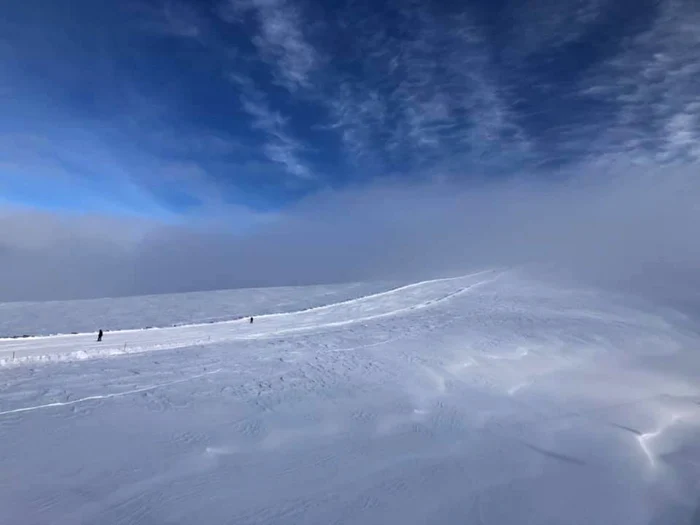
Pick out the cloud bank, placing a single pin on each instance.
(619, 226)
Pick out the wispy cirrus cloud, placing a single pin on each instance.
(280, 39)
(286, 97)
(279, 145)
(432, 97)
(419, 91)
(358, 114)
(652, 82)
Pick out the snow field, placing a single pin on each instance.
(489, 398)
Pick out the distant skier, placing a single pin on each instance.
(251, 320)
(99, 336)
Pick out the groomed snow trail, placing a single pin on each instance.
(393, 302)
(125, 313)
(490, 399)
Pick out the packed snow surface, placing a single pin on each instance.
(488, 399)
(60, 317)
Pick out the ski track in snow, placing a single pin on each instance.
(98, 397)
(487, 398)
(83, 346)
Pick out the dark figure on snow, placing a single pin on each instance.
(251, 320)
(99, 336)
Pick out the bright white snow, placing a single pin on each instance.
(89, 315)
(485, 399)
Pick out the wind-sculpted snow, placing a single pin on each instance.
(486, 399)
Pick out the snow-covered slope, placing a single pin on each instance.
(486, 399)
(388, 303)
(64, 317)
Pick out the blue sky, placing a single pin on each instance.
(166, 108)
(151, 146)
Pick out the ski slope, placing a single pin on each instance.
(490, 398)
(389, 303)
(123, 313)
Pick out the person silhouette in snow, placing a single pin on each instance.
(99, 336)
(251, 320)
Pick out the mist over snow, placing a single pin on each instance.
(619, 226)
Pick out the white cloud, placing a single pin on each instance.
(420, 95)
(429, 94)
(284, 152)
(683, 132)
(280, 39)
(653, 82)
(279, 147)
(616, 225)
(358, 114)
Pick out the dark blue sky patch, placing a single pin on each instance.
(179, 105)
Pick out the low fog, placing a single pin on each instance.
(633, 229)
